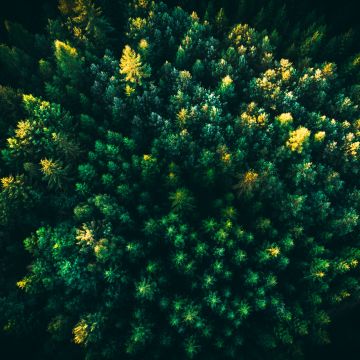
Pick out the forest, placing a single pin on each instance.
(179, 180)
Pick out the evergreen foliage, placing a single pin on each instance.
(189, 191)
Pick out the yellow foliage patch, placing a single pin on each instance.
(80, 332)
(273, 251)
(298, 138)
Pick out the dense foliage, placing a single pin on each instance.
(184, 187)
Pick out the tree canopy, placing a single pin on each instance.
(176, 185)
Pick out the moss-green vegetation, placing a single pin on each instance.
(184, 186)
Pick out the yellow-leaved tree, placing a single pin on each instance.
(68, 60)
(132, 67)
